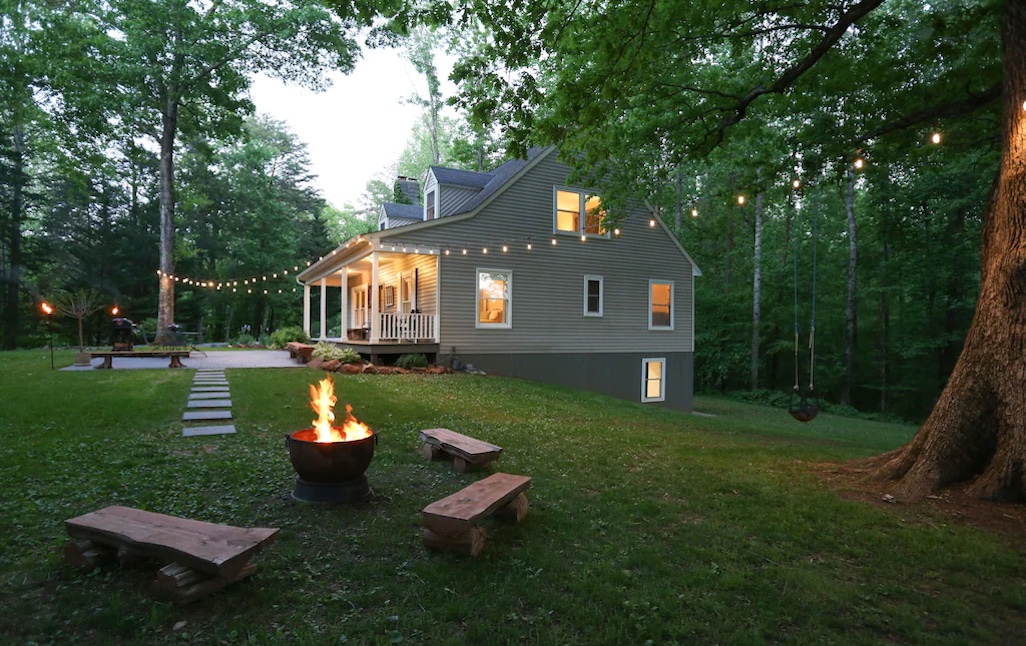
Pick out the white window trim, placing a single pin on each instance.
(581, 198)
(673, 306)
(601, 295)
(644, 380)
(433, 193)
(509, 300)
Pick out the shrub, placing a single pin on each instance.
(286, 335)
(408, 361)
(245, 339)
(330, 352)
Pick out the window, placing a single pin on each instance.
(653, 380)
(660, 305)
(579, 213)
(593, 305)
(493, 298)
(429, 206)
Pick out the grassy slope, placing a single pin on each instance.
(644, 524)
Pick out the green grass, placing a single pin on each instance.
(645, 525)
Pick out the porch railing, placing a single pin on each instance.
(400, 327)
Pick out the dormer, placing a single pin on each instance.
(447, 190)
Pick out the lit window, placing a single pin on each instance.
(429, 206)
(660, 305)
(493, 298)
(593, 297)
(579, 213)
(653, 380)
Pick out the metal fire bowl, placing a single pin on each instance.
(329, 462)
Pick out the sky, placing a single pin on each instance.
(356, 128)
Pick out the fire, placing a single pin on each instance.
(323, 400)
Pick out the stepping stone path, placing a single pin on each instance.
(208, 401)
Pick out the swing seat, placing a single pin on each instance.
(806, 411)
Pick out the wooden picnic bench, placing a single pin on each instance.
(109, 355)
(204, 557)
(466, 452)
(452, 523)
(301, 351)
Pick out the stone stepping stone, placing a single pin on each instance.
(209, 403)
(193, 396)
(210, 389)
(201, 415)
(210, 383)
(208, 430)
(210, 370)
(210, 378)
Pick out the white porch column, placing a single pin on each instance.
(344, 277)
(306, 309)
(324, 307)
(438, 296)
(375, 329)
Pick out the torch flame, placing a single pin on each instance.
(47, 309)
(323, 400)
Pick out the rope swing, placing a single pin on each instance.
(802, 405)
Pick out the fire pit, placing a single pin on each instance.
(329, 460)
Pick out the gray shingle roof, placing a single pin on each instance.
(498, 177)
(454, 177)
(405, 211)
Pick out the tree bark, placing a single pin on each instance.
(12, 317)
(756, 291)
(851, 309)
(977, 430)
(166, 296)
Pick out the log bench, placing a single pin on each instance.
(452, 523)
(204, 557)
(109, 355)
(466, 452)
(301, 351)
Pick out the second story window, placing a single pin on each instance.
(579, 213)
(429, 206)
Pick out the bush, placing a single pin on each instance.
(245, 339)
(408, 361)
(280, 337)
(330, 352)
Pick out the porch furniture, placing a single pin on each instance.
(452, 523)
(466, 452)
(204, 557)
(109, 355)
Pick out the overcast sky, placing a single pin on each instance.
(356, 128)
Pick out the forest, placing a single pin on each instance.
(832, 202)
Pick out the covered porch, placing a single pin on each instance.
(379, 299)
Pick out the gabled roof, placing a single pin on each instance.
(405, 211)
(498, 178)
(454, 177)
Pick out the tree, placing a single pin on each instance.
(177, 66)
(628, 90)
(78, 305)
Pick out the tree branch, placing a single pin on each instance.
(952, 109)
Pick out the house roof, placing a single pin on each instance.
(403, 211)
(455, 177)
(497, 179)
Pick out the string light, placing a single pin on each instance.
(553, 242)
(583, 237)
(651, 222)
(796, 183)
(447, 252)
(505, 248)
(464, 252)
(859, 163)
(485, 250)
(936, 138)
(529, 246)
(616, 231)
(694, 213)
(741, 200)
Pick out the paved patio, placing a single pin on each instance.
(201, 359)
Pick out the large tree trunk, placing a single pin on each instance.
(977, 430)
(14, 265)
(756, 292)
(851, 309)
(166, 296)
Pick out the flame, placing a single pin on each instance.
(323, 400)
(47, 309)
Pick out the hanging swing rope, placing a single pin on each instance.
(805, 410)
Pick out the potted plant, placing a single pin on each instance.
(78, 305)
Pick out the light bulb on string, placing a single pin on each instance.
(464, 252)
(529, 245)
(859, 163)
(796, 183)
(447, 251)
(485, 251)
(583, 237)
(553, 242)
(694, 213)
(505, 248)
(741, 200)
(936, 138)
(651, 222)
(616, 231)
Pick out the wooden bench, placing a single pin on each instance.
(466, 452)
(108, 356)
(204, 557)
(452, 523)
(301, 351)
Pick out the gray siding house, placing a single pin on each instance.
(515, 272)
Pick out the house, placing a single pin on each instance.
(514, 272)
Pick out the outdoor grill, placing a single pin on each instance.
(122, 334)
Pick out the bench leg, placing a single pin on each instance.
(469, 543)
(85, 553)
(515, 510)
(430, 451)
(108, 363)
(176, 362)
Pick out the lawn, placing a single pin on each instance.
(645, 525)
